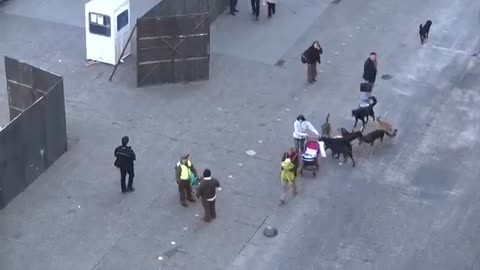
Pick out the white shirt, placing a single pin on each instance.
(301, 128)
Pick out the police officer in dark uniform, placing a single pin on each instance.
(124, 161)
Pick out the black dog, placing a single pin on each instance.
(350, 136)
(364, 112)
(424, 30)
(339, 146)
(372, 136)
(326, 128)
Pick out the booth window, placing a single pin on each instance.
(99, 24)
(122, 20)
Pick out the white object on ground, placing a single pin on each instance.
(251, 152)
(160, 258)
(173, 243)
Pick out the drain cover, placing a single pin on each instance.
(386, 77)
(336, 2)
(270, 232)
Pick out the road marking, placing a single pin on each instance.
(450, 50)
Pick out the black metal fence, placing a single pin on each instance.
(36, 135)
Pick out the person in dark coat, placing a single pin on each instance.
(255, 8)
(125, 157)
(233, 7)
(370, 68)
(207, 192)
(312, 57)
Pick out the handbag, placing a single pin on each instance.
(366, 87)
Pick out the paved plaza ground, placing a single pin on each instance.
(410, 203)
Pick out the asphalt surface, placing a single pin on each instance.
(410, 203)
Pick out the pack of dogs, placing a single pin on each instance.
(342, 145)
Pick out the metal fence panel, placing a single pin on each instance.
(173, 49)
(37, 136)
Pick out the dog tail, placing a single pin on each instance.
(421, 26)
(374, 100)
(328, 116)
(393, 134)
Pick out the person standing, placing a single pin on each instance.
(233, 7)
(301, 127)
(207, 191)
(311, 57)
(184, 171)
(255, 8)
(370, 68)
(125, 157)
(271, 7)
(288, 179)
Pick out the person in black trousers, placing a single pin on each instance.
(207, 191)
(271, 7)
(370, 68)
(125, 157)
(255, 8)
(233, 7)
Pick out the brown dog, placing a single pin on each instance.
(384, 125)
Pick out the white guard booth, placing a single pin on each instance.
(107, 28)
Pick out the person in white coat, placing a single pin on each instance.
(270, 7)
(301, 129)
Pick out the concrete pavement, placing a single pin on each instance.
(409, 204)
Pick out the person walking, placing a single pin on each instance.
(301, 127)
(184, 171)
(288, 179)
(311, 57)
(293, 156)
(370, 68)
(233, 7)
(271, 4)
(207, 191)
(125, 156)
(255, 8)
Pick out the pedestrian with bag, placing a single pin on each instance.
(311, 57)
(370, 68)
(207, 191)
(125, 156)
(184, 172)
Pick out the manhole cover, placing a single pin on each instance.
(386, 77)
(336, 2)
(280, 63)
(270, 232)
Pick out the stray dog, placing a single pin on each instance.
(339, 146)
(386, 126)
(424, 30)
(326, 128)
(372, 136)
(364, 112)
(350, 136)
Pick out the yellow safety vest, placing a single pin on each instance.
(185, 171)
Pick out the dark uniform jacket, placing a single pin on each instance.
(125, 157)
(208, 188)
(370, 70)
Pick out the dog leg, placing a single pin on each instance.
(344, 157)
(353, 160)
(356, 121)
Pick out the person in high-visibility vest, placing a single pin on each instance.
(184, 171)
